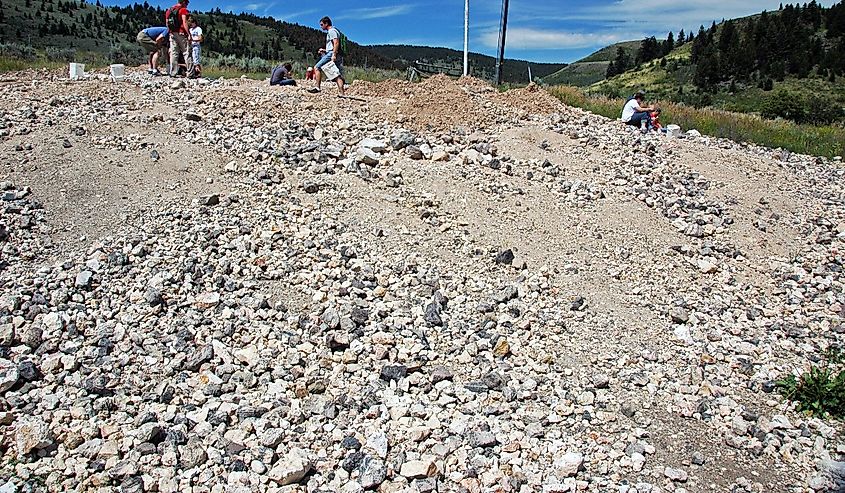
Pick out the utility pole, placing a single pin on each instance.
(530, 80)
(502, 32)
(466, 37)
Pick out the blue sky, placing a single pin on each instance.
(548, 31)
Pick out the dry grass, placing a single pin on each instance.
(815, 140)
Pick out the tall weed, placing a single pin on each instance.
(816, 140)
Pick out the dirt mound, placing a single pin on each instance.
(532, 99)
(436, 103)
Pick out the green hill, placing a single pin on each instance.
(789, 63)
(75, 29)
(481, 66)
(592, 68)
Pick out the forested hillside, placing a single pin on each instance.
(73, 26)
(788, 63)
(482, 66)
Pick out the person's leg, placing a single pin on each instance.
(174, 54)
(341, 81)
(196, 56)
(637, 119)
(287, 82)
(189, 58)
(318, 72)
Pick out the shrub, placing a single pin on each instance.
(17, 51)
(55, 54)
(819, 390)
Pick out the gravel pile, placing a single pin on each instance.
(438, 288)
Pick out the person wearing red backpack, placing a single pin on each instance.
(176, 19)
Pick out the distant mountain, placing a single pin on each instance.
(591, 68)
(481, 66)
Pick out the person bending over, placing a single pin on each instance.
(281, 76)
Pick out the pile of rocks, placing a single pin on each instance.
(364, 307)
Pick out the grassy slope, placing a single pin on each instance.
(592, 68)
(674, 82)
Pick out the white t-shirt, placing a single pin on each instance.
(331, 35)
(629, 110)
(196, 34)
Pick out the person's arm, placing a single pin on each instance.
(161, 38)
(185, 28)
(647, 108)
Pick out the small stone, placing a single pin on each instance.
(8, 375)
(209, 200)
(83, 279)
(440, 373)
(674, 474)
(414, 469)
(568, 465)
(679, 315)
(482, 439)
(366, 156)
(502, 348)
(208, 299)
(393, 372)
(32, 434)
(698, 458)
(192, 117)
(291, 468)
(505, 257)
(371, 472)
(153, 297)
(506, 294)
(154, 155)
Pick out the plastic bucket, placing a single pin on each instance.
(331, 70)
(673, 130)
(117, 71)
(77, 70)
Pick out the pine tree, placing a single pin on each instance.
(611, 70)
(669, 44)
(681, 38)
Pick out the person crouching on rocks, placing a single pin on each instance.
(637, 115)
(281, 76)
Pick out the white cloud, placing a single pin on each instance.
(522, 38)
(295, 15)
(376, 12)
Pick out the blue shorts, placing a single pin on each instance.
(326, 59)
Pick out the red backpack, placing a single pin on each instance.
(172, 19)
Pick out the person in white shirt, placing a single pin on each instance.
(635, 114)
(196, 39)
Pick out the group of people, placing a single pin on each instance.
(636, 114)
(331, 60)
(182, 35)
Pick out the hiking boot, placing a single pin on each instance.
(314, 90)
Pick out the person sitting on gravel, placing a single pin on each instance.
(635, 114)
(281, 76)
(154, 40)
(331, 53)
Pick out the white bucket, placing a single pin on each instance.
(331, 70)
(117, 71)
(77, 70)
(673, 130)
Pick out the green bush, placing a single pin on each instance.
(55, 54)
(800, 108)
(17, 51)
(821, 389)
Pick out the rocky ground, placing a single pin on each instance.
(222, 286)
